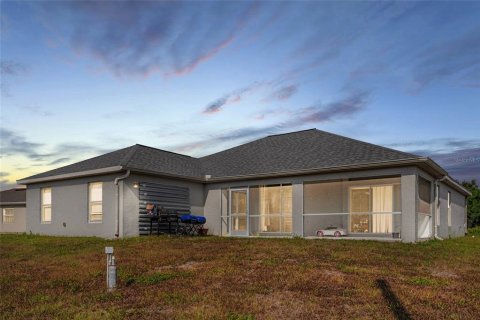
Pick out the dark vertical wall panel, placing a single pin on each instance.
(166, 196)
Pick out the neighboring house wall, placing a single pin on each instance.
(70, 208)
(18, 224)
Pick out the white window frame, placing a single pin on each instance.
(8, 218)
(449, 208)
(92, 203)
(44, 206)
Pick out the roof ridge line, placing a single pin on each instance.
(256, 140)
(293, 132)
(126, 159)
(369, 143)
(163, 150)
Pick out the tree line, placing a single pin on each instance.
(473, 203)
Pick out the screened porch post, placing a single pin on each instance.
(409, 207)
(297, 208)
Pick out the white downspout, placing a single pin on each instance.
(117, 179)
(437, 200)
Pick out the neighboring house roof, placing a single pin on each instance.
(291, 153)
(13, 197)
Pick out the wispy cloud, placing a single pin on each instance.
(316, 114)
(368, 69)
(461, 164)
(232, 97)
(436, 145)
(320, 112)
(460, 157)
(11, 68)
(13, 143)
(320, 46)
(8, 70)
(37, 110)
(79, 148)
(59, 161)
(6, 184)
(447, 59)
(40, 156)
(244, 134)
(283, 93)
(471, 78)
(5, 25)
(140, 38)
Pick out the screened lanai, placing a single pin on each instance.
(356, 208)
(368, 207)
(260, 210)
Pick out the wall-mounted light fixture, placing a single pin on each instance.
(135, 185)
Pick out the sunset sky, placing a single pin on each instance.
(79, 79)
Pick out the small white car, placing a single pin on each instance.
(332, 231)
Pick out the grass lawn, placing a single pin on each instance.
(232, 278)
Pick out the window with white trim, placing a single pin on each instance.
(46, 214)
(437, 208)
(449, 207)
(8, 215)
(95, 205)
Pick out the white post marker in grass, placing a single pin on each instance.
(111, 269)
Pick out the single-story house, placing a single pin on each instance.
(12, 204)
(281, 185)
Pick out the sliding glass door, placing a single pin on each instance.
(264, 210)
(270, 210)
(371, 209)
(360, 207)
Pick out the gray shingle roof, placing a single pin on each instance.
(110, 159)
(135, 157)
(156, 160)
(302, 150)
